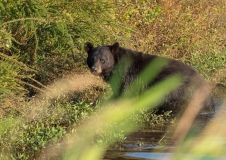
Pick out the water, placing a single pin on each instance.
(149, 143)
(155, 143)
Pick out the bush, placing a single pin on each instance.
(178, 29)
(11, 90)
(41, 40)
(49, 35)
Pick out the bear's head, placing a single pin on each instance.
(100, 60)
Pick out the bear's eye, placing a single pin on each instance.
(102, 61)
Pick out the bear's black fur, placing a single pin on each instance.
(104, 61)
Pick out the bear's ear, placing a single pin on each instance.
(115, 47)
(88, 46)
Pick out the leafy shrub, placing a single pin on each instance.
(49, 34)
(44, 39)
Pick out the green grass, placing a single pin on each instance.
(210, 65)
(26, 135)
(42, 41)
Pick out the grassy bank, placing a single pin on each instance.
(191, 31)
(41, 51)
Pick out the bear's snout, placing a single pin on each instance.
(96, 70)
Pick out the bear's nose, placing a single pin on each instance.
(94, 69)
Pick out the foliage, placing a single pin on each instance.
(211, 66)
(120, 116)
(46, 33)
(178, 29)
(34, 132)
(11, 73)
(43, 40)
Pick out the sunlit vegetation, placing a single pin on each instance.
(47, 95)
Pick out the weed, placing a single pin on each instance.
(43, 40)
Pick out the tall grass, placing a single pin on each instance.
(42, 40)
(191, 31)
(11, 91)
(119, 115)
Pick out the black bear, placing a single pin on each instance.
(104, 61)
